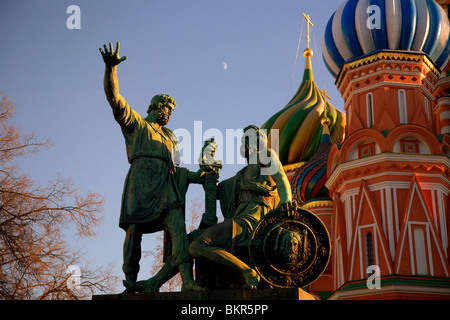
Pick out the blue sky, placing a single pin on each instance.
(177, 47)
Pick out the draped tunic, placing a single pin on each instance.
(153, 184)
(245, 199)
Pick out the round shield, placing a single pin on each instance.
(290, 248)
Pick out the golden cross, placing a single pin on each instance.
(325, 93)
(309, 23)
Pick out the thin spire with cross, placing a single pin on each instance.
(325, 93)
(308, 24)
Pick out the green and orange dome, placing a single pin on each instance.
(299, 122)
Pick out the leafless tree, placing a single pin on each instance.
(34, 254)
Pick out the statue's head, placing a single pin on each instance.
(289, 245)
(253, 141)
(164, 105)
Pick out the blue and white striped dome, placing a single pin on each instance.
(412, 25)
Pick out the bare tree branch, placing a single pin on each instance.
(34, 254)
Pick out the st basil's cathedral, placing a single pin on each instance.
(378, 175)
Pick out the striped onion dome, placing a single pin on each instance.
(362, 27)
(298, 123)
(309, 180)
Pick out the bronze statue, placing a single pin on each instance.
(155, 186)
(244, 200)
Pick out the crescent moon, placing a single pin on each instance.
(225, 65)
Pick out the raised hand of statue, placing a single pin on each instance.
(111, 57)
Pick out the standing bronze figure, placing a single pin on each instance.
(155, 186)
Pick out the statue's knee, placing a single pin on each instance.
(195, 248)
(133, 231)
(132, 228)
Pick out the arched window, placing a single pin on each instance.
(402, 108)
(369, 107)
(349, 112)
(369, 249)
(427, 108)
(420, 251)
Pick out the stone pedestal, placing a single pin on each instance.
(232, 294)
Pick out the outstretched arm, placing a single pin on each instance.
(110, 81)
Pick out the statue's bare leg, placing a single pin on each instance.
(221, 256)
(131, 256)
(225, 258)
(153, 284)
(175, 225)
(179, 261)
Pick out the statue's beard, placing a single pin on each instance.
(291, 256)
(163, 118)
